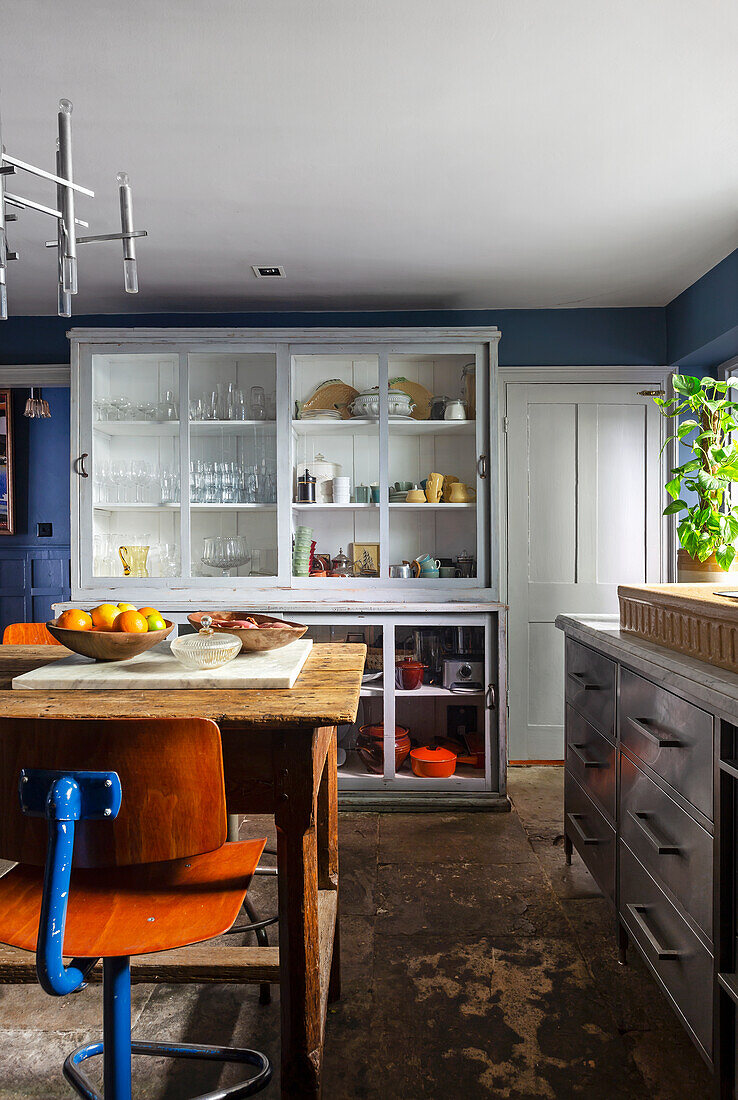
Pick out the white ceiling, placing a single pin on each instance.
(389, 153)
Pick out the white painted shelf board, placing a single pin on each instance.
(133, 428)
(372, 691)
(432, 427)
(127, 506)
(426, 691)
(442, 507)
(332, 507)
(355, 426)
(233, 507)
(231, 427)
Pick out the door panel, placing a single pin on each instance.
(584, 502)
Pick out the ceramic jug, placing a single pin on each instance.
(459, 493)
(434, 488)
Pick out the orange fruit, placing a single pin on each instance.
(104, 615)
(146, 611)
(74, 619)
(130, 622)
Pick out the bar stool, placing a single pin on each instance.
(118, 828)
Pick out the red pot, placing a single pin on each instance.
(370, 747)
(409, 674)
(433, 763)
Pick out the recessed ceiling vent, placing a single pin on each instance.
(268, 271)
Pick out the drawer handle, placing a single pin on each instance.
(585, 839)
(582, 682)
(586, 760)
(664, 954)
(663, 740)
(662, 849)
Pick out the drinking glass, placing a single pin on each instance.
(239, 408)
(167, 409)
(196, 409)
(257, 403)
(210, 406)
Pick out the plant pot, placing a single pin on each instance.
(692, 571)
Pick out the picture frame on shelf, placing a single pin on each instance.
(7, 467)
(365, 556)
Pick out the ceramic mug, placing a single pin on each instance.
(434, 488)
(459, 493)
(375, 494)
(403, 486)
(362, 493)
(449, 571)
(429, 574)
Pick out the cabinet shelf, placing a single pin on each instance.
(404, 506)
(133, 428)
(426, 691)
(363, 426)
(231, 427)
(128, 507)
(333, 507)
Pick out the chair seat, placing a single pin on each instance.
(138, 909)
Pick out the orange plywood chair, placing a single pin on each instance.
(28, 634)
(118, 829)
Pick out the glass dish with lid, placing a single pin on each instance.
(207, 649)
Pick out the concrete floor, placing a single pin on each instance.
(475, 964)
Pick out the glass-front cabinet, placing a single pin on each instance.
(205, 463)
(345, 479)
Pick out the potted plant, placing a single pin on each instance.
(708, 526)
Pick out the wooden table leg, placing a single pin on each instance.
(299, 952)
(328, 853)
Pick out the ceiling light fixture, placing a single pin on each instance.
(66, 236)
(36, 407)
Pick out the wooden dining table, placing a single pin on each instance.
(279, 756)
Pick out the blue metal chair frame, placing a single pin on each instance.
(63, 798)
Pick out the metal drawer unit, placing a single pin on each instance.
(592, 835)
(673, 847)
(590, 686)
(590, 758)
(677, 956)
(669, 734)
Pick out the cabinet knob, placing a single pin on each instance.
(79, 464)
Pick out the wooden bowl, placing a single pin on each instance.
(108, 645)
(254, 641)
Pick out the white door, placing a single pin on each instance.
(584, 502)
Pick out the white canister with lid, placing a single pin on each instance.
(324, 472)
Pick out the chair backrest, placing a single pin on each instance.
(171, 774)
(28, 634)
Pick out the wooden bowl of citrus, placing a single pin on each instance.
(110, 632)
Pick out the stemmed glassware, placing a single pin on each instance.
(225, 552)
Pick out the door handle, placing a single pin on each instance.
(582, 682)
(641, 820)
(586, 760)
(663, 740)
(664, 954)
(491, 697)
(584, 837)
(79, 465)
(482, 466)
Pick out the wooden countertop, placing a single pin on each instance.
(326, 693)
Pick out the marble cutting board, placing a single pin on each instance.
(278, 668)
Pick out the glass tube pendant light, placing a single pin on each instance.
(36, 408)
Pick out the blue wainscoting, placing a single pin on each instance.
(34, 569)
(30, 581)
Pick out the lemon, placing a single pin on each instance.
(127, 607)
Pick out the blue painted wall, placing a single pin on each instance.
(530, 337)
(34, 572)
(702, 322)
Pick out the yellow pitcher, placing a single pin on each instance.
(134, 560)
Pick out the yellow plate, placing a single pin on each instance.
(419, 394)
